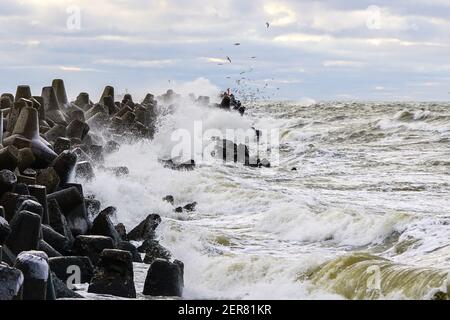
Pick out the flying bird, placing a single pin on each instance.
(267, 25)
(237, 44)
(228, 58)
(253, 57)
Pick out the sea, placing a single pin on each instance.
(365, 214)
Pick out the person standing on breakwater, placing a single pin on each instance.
(229, 100)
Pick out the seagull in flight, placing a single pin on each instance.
(267, 25)
(237, 44)
(228, 58)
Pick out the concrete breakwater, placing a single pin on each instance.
(53, 235)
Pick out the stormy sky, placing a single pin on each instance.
(324, 50)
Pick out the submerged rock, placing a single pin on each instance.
(169, 199)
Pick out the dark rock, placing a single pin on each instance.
(30, 173)
(190, 207)
(96, 152)
(14, 112)
(122, 231)
(92, 207)
(83, 101)
(26, 159)
(84, 170)
(56, 132)
(164, 278)
(98, 120)
(48, 249)
(58, 241)
(7, 181)
(9, 158)
(60, 91)
(61, 144)
(51, 106)
(77, 129)
(109, 103)
(23, 91)
(11, 282)
(5, 102)
(48, 178)
(76, 114)
(34, 266)
(184, 166)
(11, 202)
(264, 163)
(92, 246)
(169, 199)
(2, 212)
(64, 165)
(40, 193)
(26, 180)
(27, 127)
(146, 229)
(71, 203)
(25, 232)
(153, 250)
(111, 146)
(51, 295)
(103, 225)
(32, 206)
(8, 256)
(114, 274)
(96, 109)
(5, 231)
(127, 246)
(119, 171)
(58, 221)
(63, 267)
(178, 209)
(61, 289)
(107, 92)
(22, 189)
